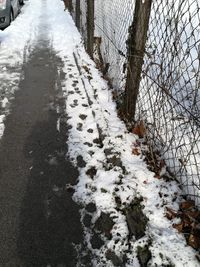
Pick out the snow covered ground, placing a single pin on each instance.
(15, 45)
(111, 176)
(174, 66)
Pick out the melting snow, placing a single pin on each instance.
(99, 137)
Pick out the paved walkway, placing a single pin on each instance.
(39, 222)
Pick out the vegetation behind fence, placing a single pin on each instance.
(167, 98)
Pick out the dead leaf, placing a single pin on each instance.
(194, 241)
(171, 214)
(178, 227)
(140, 129)
(162, 163)
(196, 228)
(136, 151)
(186, 223)
(189, 204)
(198, 257)
(157, 176)
(193, 215)
(86, 68)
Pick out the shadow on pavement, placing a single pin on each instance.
(49, 220)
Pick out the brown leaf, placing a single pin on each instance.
(162, 163)
(193, 215)
(136, 130)
(187, 205)
(86, 68)
(198, 257)
(194, 241)
(136, 151)
(170, 214)
(186, 222)
(196, 228)
(178, 227)
(140, 129)
(157, 176)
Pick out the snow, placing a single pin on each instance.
(99, 137)
(15, 46)
(2, 127)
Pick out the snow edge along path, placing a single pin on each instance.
(90, 110)
(15, 46)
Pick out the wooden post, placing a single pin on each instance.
(78, 14)
(136, 48)
(70, 6)
(90, 27)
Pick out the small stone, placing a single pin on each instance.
(69, 127)
(110, 255)
(97, 141)
(70, 188)
(80, 162)
(88, 144)
(91, 172)
(82, 117)
(104, 224)
(103, 190)
(96, 241)
(93, 189)
(91, 153)
(115, 161)
(136, 219)
(90, 130)
(91, 207)
(78, 91)
(144, 255)
(87, 220)
(79, 127)
(75, 102)
(108, 151)
(70, 92)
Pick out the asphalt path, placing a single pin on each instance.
(39, 221)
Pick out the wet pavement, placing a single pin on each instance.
(39, 221)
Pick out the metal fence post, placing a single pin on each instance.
(78, 14)
(136, 48)
(90, 27)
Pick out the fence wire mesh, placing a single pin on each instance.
(73, 11)
(169, 94)
(82, 16)
(113, 19)
(169, 99)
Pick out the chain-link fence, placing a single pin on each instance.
(169, 99)
(169, 94)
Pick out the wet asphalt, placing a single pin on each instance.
(39, 221)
